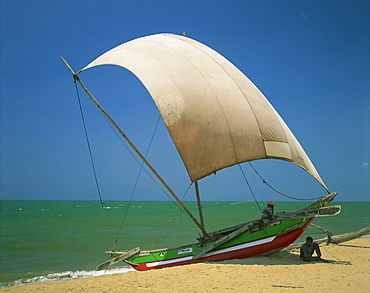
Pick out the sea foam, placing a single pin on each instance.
(67, 275)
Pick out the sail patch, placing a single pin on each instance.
(171, 106)
(277, 149)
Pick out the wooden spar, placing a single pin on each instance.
(222, 240)
(75, 75)
(325, 211)
(117, 259)
(199, 205)
(334, 239)
(321, 228)
(313, 213)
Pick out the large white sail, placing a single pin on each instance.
(216, 116)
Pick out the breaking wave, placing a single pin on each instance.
(65, 276)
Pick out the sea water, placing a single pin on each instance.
(62, 240)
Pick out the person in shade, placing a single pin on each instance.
(268, 211)
(308, 248)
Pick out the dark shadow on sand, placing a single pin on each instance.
(285, 258)
(354, 246)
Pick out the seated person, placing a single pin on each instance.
(268, 211)
(308, 248)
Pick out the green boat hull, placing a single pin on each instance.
(260, 236)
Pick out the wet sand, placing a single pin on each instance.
(347, 270)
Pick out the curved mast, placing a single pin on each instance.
(75, 76)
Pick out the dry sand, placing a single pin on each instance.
(348, 270)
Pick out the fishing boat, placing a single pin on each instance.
(217, 118)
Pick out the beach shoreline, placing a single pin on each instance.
(347, 270)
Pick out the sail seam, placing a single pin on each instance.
(226, 120)
(228, 74)
(210, 85)
(199, 49)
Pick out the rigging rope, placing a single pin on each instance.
(170, 219)
(92, 161)
(139, 162)
(136, 183)
(250, 188)
(265, 182)
(142, 167)
(330, 253)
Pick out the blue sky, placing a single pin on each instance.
(309, 58)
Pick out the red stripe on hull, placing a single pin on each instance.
(278, 242)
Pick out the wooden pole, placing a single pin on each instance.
(75, 75)
(199, 205)
(333, 239)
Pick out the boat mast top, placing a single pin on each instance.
(75, 76)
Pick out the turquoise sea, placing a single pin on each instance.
(60, 240)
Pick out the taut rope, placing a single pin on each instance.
(265, 182)
(92, 161)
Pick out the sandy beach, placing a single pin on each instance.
(347, 270)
